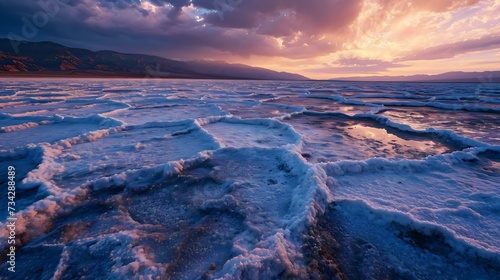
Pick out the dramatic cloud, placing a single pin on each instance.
(261, 31)
(442, 5)
(284, 27)
(456, 48)
(311, 17)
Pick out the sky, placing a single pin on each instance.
(320, 39)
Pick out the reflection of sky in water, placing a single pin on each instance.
(482, 126)
(390, 142)
(330, 138)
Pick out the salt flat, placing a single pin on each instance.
(200, 179)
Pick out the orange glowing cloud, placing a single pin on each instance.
(316, 38)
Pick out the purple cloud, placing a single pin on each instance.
(453, 49)
(433, 6)
(172, 29)
(200, 28)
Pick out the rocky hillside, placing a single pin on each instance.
(47, 58)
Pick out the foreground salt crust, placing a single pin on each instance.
(252, 180)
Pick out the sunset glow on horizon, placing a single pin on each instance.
(320, 39)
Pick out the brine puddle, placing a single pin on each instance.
(336, 137)
(481, 126)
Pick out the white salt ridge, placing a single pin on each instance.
(477, 125)
(174, 112)
(319, 105)
(443, 133)
(11, 128)
(256, 110)
(132, 147)
(467, 107)
(443, 193)
(52, 130)
(239, 133)
(70, 107)
(337, 136)
(340, 99)
(219, 180)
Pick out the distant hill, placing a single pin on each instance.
(51, 59)
(452, 77)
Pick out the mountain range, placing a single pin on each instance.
(51, 59)
(451, 77)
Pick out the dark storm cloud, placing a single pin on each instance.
(119, 4)
(239, 27)
(310, 17)
(193, 29)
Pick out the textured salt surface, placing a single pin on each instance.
(175, 179)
